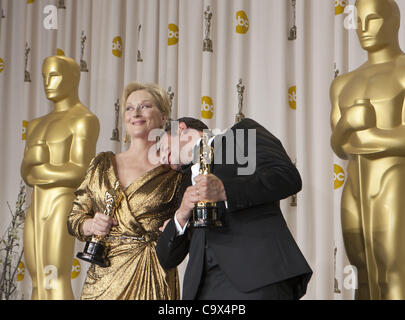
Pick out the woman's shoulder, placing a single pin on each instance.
(102, 159)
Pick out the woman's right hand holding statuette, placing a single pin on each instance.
(100, 225)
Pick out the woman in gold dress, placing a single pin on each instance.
(149, 198)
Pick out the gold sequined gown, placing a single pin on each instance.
(135, 272)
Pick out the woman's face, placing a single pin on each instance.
(142, 115)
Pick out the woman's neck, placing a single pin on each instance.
(141, 150)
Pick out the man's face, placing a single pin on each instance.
(176, 149)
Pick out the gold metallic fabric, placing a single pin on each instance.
(135, 272)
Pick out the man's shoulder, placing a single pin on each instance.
(249, 124)
(246, 123)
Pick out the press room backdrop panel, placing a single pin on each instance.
(286, 89)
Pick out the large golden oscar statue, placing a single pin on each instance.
(368, 125)
(59, 148)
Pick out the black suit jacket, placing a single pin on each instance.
(254, 248)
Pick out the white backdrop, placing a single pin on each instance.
(286, 90)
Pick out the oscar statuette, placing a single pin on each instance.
(240, 88)
(139, 55)
(27, 76)
(207, 42)
(116, 133)
(95, 250)
(205, 214)
(292, 32)
(61, 4)
(83, 63)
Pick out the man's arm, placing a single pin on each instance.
(173, 245)
(172, 248)
(275, 177)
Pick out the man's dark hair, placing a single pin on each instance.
(191, 123)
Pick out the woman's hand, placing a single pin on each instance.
(100, 225)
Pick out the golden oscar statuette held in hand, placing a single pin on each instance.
(95, 250)
(205, 214)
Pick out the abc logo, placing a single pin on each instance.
(207, 107)
(76, 268)
(20, 271)
(242, 22)
(340, 6)
(60, 52)
(1, 65)
(24, 130)
(173, 34)
(338, 176)
(117, 47)
(292, 97)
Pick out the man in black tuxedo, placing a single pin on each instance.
(253, 255)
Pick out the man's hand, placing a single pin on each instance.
(209, 188)
(162, 228)
(188, 202)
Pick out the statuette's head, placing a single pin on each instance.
(61, 77)
(378, 24)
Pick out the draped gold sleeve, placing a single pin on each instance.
(135, 272)
(82, 205)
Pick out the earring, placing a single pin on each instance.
(126, 139)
